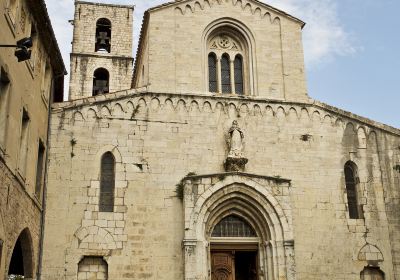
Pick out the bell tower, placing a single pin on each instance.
(101, 58)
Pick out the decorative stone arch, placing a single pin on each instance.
(21, 260)
(371, 254)
(94, 234)
(255, 203)
(117, 156)
(77, 250)
(241, 32)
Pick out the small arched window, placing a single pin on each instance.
(351, 178)
(233, 226)
(107, 183)
(101, 79)
(103, 35)
(225, 74)
(238, 75)
(212, 72)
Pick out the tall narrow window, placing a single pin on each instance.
(1, 249)
(103, 35)
(39, 169)
(12, 10)
(101, 79)
(23, 149)
(107, 183)
(212, 72)
(4, 88)
(35, 53)
(46, 81)
(225, 74)
(350, 172)
(238, 75)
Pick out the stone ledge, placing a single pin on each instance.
(271, 178)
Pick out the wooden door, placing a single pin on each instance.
(222, 266)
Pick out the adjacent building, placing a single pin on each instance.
(27, 91)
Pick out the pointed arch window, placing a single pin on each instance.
(107, 183)
(103, 35)
(352, 185)
(227, 62)
(238, 74)
(101, 80)
(212, 73)
(233, 226)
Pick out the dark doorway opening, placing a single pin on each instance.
(234, 264)
(245, 265)
(21, 263)
(17, 260)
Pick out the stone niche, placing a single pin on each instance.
(261, 203)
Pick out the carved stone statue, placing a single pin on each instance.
(236, 141)
(235, 160)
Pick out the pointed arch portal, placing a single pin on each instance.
(237, 228)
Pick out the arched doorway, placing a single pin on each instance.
(21, 263)
(237, 229)
(234, 250)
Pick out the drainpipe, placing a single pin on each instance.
(44, 194)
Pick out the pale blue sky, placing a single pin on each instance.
(351, 49)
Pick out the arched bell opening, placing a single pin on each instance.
(21, 264)
(103, 35)
(101, 81)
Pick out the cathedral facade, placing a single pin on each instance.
(212, 162)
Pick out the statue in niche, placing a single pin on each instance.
(236, 141)
(235, 160)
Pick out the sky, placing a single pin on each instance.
(352, 49)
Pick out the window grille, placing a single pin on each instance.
(233, 226)
(238, 75)
(107, 183)
(225, 74)
(212, 73)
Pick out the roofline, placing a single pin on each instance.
(143, 33)
(44, 22)
(257, 1)
(105, 4)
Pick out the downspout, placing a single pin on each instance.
(44, 194)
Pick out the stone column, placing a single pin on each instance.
(219, 75)
(290, 262)
(232, 66)
(189, 250)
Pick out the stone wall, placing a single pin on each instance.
(18, 212)
(162, 137)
